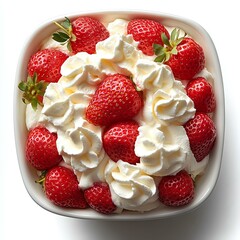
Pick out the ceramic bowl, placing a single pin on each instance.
(204, 185)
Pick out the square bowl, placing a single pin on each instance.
(204, 185)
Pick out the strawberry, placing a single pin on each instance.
(116, 99)
(81, 35)
(184, 56)
(41, 151)
(202, 94)
(176, 190)
(119, 141)
(61, 188)
(146, 32)
(46, 64)
(201, 132)
(43, 67)
(99, 198)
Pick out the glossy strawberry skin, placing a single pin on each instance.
(116, 99)
(202, 94)
(99, 198)
(61, 188)
(146, 32)
(201, 132)
(119, 141)
(41, 151)
(47, 64)
(176, 190)
(88, 32)
(189, 60)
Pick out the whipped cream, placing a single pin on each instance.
(162, 144)
(165, 99)
(131, 188)
(118, 26)
(118, 54)
(163, 150)
(32, 116)
(90, 176)
(81, 147)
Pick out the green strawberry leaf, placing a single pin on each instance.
(167, 56)
(160, 58)
(169, 47)
(174, 50)
(34, 104)
(65, 35)
(178, 41)
(42, 178)
(59, 37)
(66, 24)
(32, 89)
(157, 48)
(174, 34)
(69, 47)
(165, 39)
(22, 86)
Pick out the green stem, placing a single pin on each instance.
(61, 27)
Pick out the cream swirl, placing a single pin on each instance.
(118, 53)
(118, 26)
(130, 187)
(82, 68)
(163, 150)
(172, 106)
(150, 75)
(81, 147)
(61, 110)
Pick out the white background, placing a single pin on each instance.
(217, 219)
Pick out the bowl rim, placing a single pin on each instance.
(74, 213)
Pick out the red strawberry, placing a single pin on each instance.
(116, 99)
(146, 32)
(99, 198)
(202, 94)
(41, 150)
(61, 187)
(184, 56)
(43, 67)
(46, 64)
(176, 190)
(201, 132)
(119, 141)
(82, 34)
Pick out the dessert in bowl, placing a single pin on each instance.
(120, 118)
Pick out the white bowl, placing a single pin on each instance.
(206, 183)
